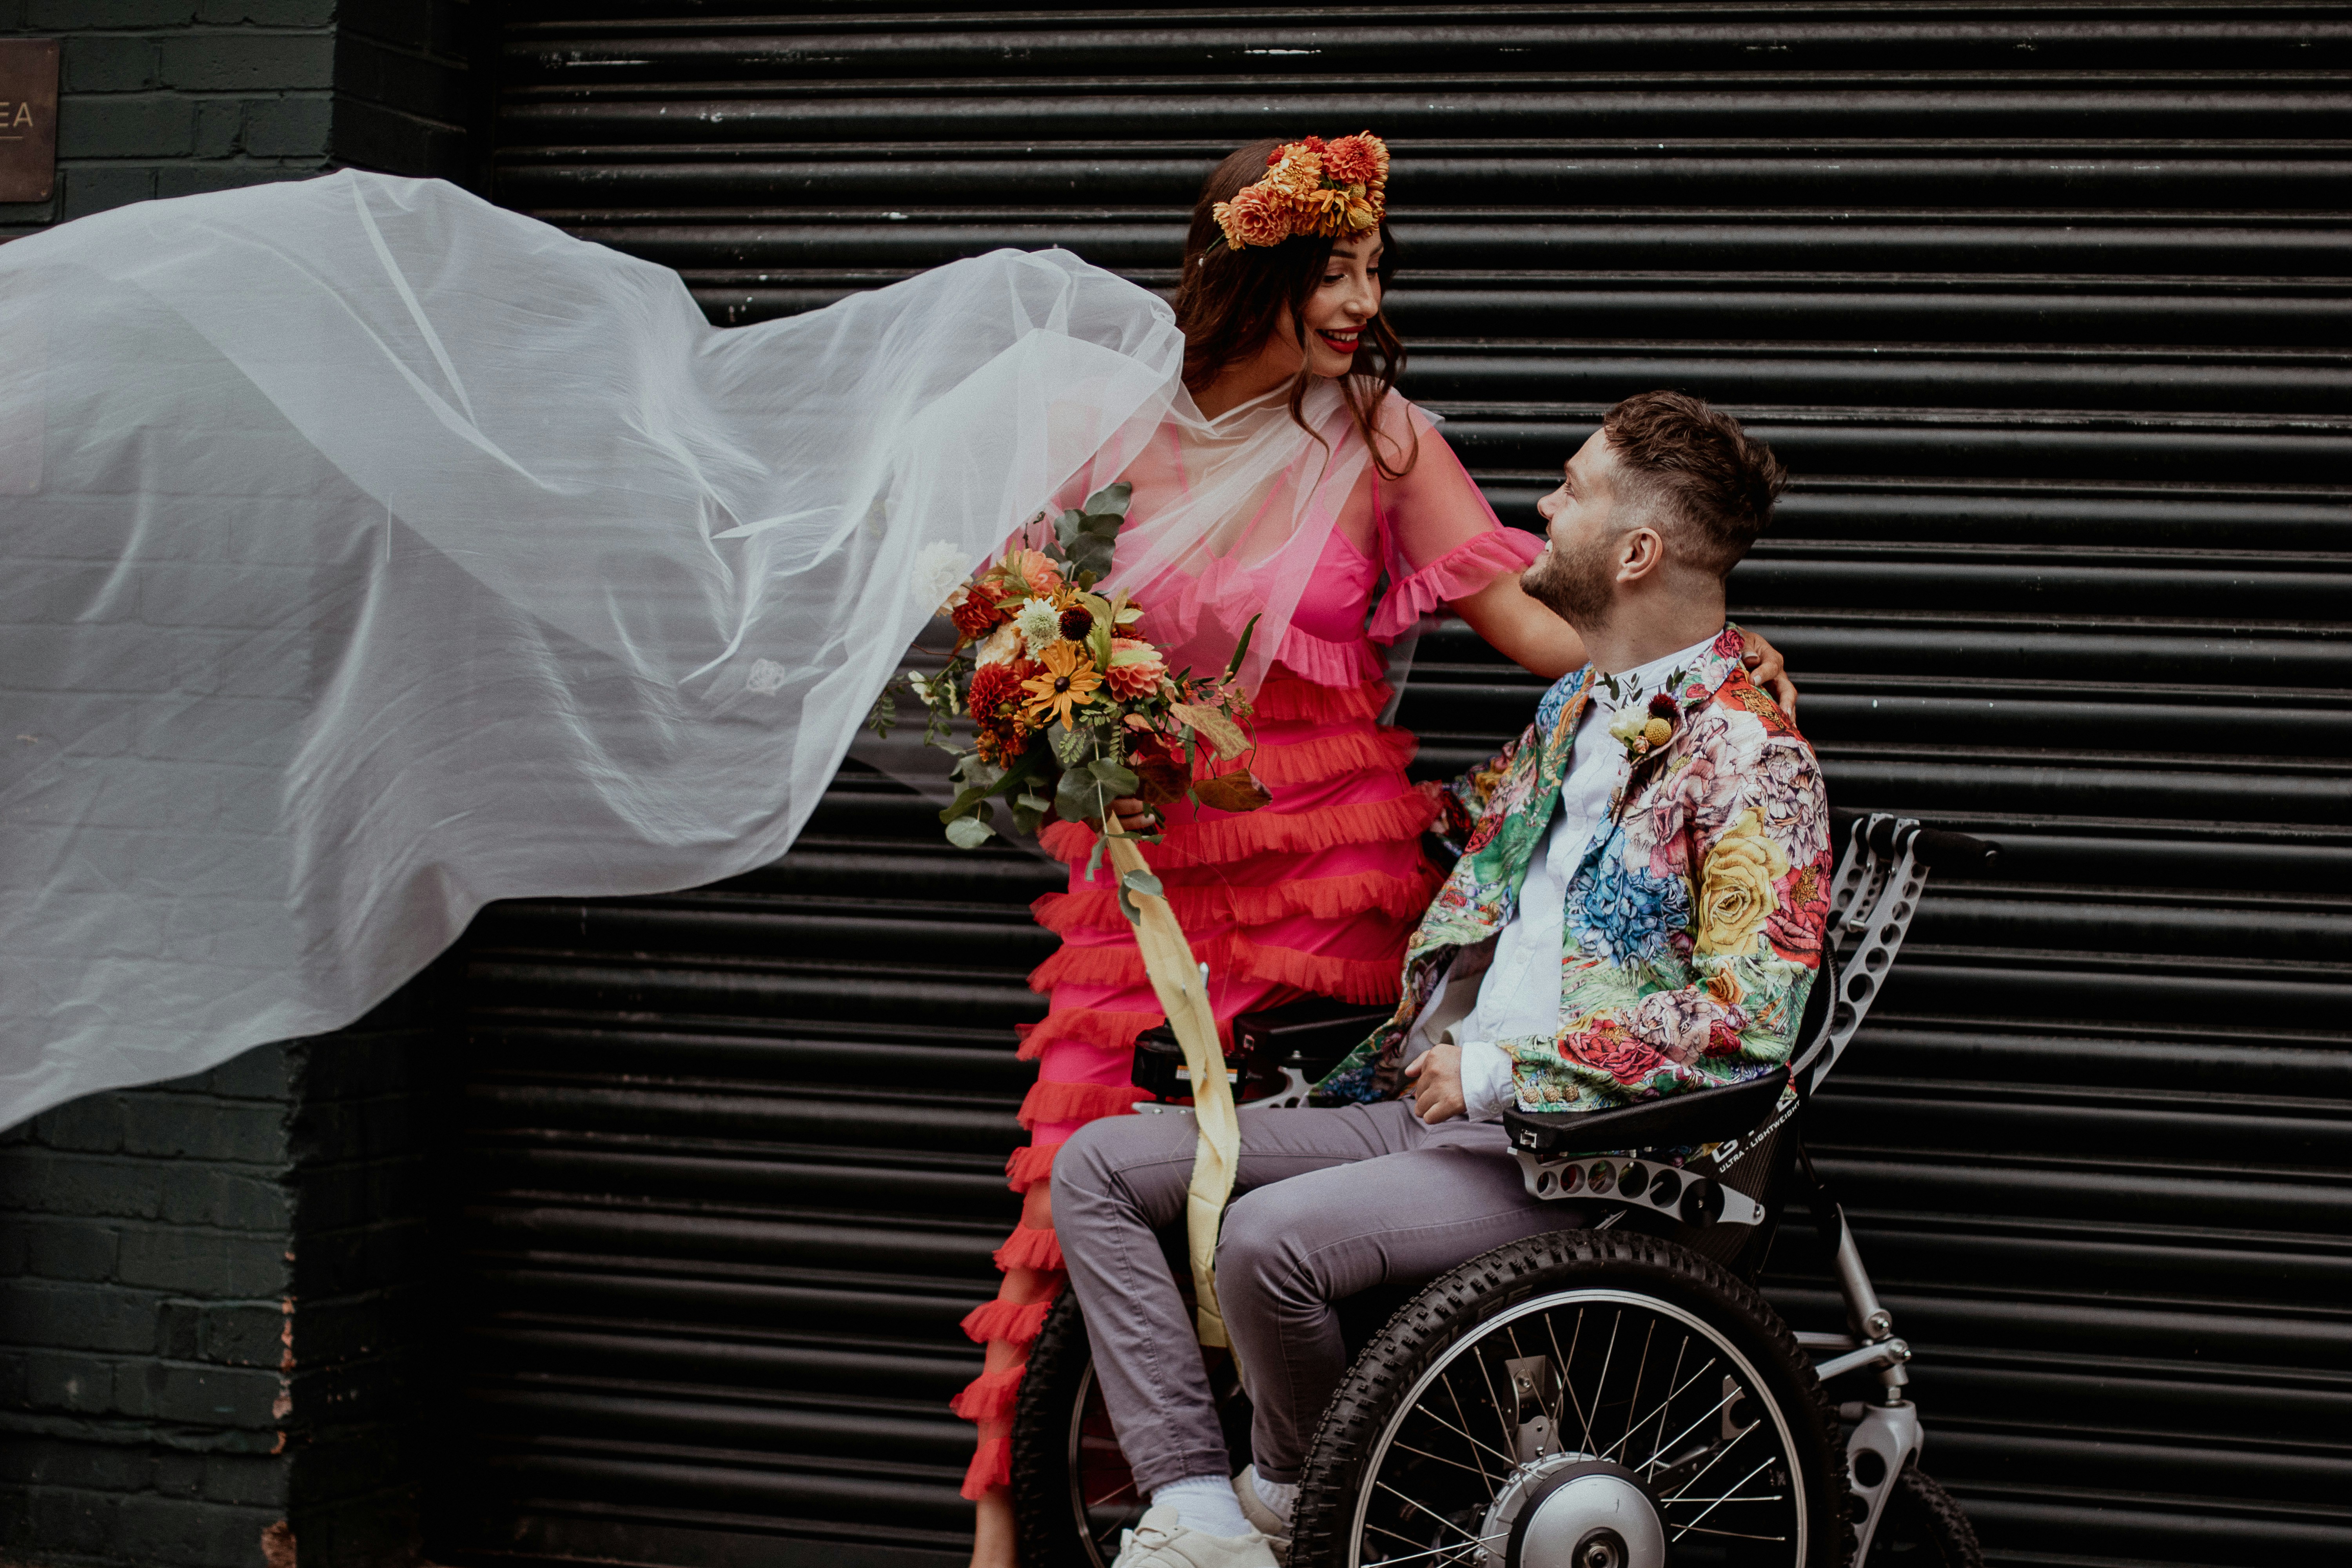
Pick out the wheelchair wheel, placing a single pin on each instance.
(1923, 1528)
(1584, 1398)
(1072, 1491)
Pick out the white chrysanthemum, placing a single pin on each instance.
(939, 568)
(1040, 624)
(766, 676)
(1627, 727)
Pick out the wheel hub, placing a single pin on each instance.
(1583, 1513)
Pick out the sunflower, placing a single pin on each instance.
(1070, 677)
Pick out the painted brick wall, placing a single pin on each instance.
(212, 1309)
(212, 1291)
(168, 98)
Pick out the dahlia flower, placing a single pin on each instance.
(1135, 668)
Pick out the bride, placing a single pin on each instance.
(1290, 485)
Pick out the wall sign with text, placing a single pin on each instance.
(28, 119)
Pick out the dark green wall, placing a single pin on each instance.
(212, 1292)
(168, 98)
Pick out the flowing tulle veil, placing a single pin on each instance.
(372, 554)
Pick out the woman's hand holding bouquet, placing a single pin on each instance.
(1072, 708)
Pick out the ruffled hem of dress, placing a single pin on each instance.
(1286, 697)
(1385, 750)
(1113, 1031)
(989, 1397)
(1456, 575)
(1367, 980)
(1329, 663)
(1015, 1324)
(991, 1468)
(1029, 1247)
(1259, 832)
(1078, 1102)
(1325, 898)
(1030, 1164)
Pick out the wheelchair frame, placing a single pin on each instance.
(1598, 1157)
(1872, 903)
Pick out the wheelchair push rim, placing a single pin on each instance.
(1603, 1428)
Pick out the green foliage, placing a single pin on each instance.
(1089, 534)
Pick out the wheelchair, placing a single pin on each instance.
(1612, 1395)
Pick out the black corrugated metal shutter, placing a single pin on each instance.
(2047, 305)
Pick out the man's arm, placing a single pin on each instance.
(1754, 944)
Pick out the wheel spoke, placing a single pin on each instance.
(1443, 1460)
(1683, 1529)
(1704, 1418)
(1567, 1378)
(1510, 1433)
(1641, 1370)
(1671, 1394)
(1475, 1543)
(1416, 1504)
(1509, 1464)
(1600, 1385)
(1657, 1451)
(1681, 1466)
(1737, 1534)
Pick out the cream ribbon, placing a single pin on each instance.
(1181, 986)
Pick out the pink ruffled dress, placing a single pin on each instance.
(1313, 894)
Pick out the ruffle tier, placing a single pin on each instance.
(1461, 572)
(1227, 838)
(1235, 954)
(1323, 898)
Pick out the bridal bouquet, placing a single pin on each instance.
(1071, 707)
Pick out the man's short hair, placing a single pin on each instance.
(1712, 483)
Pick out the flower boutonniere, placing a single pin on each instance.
(1643, 731)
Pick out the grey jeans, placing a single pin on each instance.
(1331, 1202)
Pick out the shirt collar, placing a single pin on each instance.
(1633, 687)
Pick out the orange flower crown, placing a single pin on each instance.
(1329, 189)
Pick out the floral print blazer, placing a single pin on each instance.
(1693, 926)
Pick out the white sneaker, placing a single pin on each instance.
(1267, 1523)
(1161, 1540)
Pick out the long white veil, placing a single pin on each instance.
(368, 553)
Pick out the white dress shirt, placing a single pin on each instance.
(1519, 993)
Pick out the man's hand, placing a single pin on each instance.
(1766, 669)
(1436, 1078)
(1134, 816)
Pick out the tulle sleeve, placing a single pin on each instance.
(1441, 540)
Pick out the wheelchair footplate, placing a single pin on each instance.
(1624, 1156)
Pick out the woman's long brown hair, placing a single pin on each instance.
(1230, 302)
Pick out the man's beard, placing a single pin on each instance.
(1575, 587)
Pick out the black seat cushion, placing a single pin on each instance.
(1694, 1116)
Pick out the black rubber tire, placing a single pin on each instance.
(1923, 1528)
(1049, 1535)
(1455, 1306)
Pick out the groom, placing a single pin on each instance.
(1637, 911)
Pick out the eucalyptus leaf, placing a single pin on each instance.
(1144, 882)
(1111, 499)
(968, 833)
(1112, 777)
(1074, 797)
